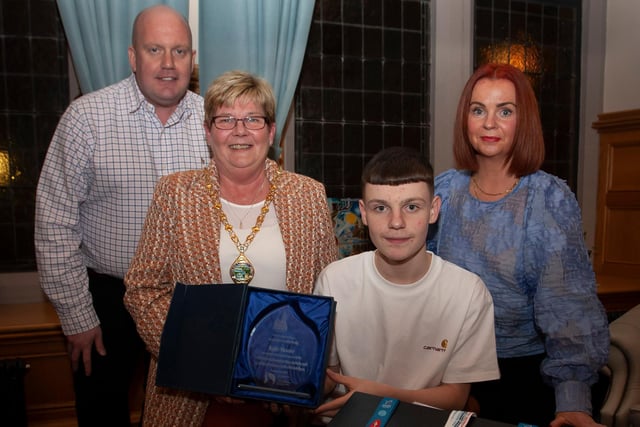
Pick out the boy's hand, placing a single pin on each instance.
(352, 384)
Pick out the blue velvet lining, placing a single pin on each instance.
(317, 313)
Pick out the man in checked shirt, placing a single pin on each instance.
(108, 151)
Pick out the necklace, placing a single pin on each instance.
(248, 210)
(507, 191)
(241, 269)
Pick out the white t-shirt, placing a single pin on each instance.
(437, 330)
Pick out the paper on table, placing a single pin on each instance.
(459, 418)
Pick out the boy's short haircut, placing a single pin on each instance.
(397, 166)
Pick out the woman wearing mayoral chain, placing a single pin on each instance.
(240, 219)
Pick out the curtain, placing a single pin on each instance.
(99, 34)
(264, 37)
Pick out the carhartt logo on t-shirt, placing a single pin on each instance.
(441, 347)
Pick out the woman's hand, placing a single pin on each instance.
(576, 419)
(228, 400)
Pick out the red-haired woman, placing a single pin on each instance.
(520, 230)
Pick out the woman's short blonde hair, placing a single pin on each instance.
(236, 85)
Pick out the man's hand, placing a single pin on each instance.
(80, 346)
(576, 419)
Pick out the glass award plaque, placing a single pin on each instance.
(281, 351)
(246, 342)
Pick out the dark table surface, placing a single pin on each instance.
(360, 407)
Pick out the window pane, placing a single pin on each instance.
(542, 38)
(34, 93)
(364, 86)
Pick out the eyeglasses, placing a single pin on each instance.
(250, 122)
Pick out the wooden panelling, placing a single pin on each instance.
(32, 332)
(617, 241)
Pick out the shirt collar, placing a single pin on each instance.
(137, 102)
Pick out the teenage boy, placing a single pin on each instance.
(408, 324)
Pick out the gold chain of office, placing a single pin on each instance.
(241, 270)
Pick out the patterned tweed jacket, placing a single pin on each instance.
(179, 243)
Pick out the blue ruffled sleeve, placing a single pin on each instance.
(566, 306)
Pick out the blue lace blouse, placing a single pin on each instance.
(529, 249)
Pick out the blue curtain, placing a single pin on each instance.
(99, 34)
(264, 37)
